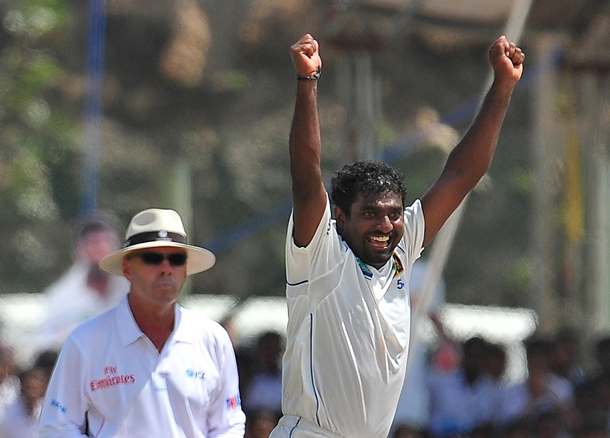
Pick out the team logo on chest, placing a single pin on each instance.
(195, 374)
(112, 378)
(364, 268)
(398, 268)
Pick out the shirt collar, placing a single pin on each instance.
(184, 331)
(129, 331)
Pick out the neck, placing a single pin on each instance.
(156, 323)
(97, 279)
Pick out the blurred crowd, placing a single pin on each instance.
(559, 397)
(22, 391)
(467, 393)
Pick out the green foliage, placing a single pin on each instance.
(232, 81)
(522, 181)
(36, 137)
(385, 134)
(517, 279)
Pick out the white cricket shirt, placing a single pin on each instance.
(70, 301)
(347, 334)
(110, 381)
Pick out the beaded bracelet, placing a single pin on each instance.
(313, 77)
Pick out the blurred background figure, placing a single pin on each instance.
(85, 290)
(406, 431)
(9, 382)
(413, 410)
(565, 360)
(264, 390)
(541, 392)
(259, 424)
(20, 419)
(466, 399)
(45, 360)
(593, 426)
(601, 356)
(549, 425)
(495, 362)
(592, 398)
(516, 429)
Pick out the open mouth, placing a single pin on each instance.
(379, 241)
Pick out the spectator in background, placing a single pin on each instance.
(413, 410)
(20, 419)
(259, 424)
(264, 389)
(85, 290)
(406, 431)
(516, 429)
(592, 398)
(495, 362)
(46, 360)
(593, 426)
(541, 391)
(549, 425)
(601, 358)
(565, 357)
(9, 382)
(465, 399)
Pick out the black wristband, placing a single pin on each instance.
(313, 77)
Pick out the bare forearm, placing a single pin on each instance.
(304, 141)
(308, 193)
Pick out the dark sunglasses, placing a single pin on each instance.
(156, 258)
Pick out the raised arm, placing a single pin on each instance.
(309, 195)
(472, 156)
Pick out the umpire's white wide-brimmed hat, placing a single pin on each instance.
(156, 228)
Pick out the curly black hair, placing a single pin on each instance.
(365, 177)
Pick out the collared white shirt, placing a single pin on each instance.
(347, 336)
(70, 302)
(110, 381)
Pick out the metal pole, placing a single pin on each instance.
(93, 106)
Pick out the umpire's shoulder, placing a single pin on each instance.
(203, 324)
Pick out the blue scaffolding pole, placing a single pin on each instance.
(93, 106)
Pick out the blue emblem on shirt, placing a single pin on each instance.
(195, 374)
(364, 268)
